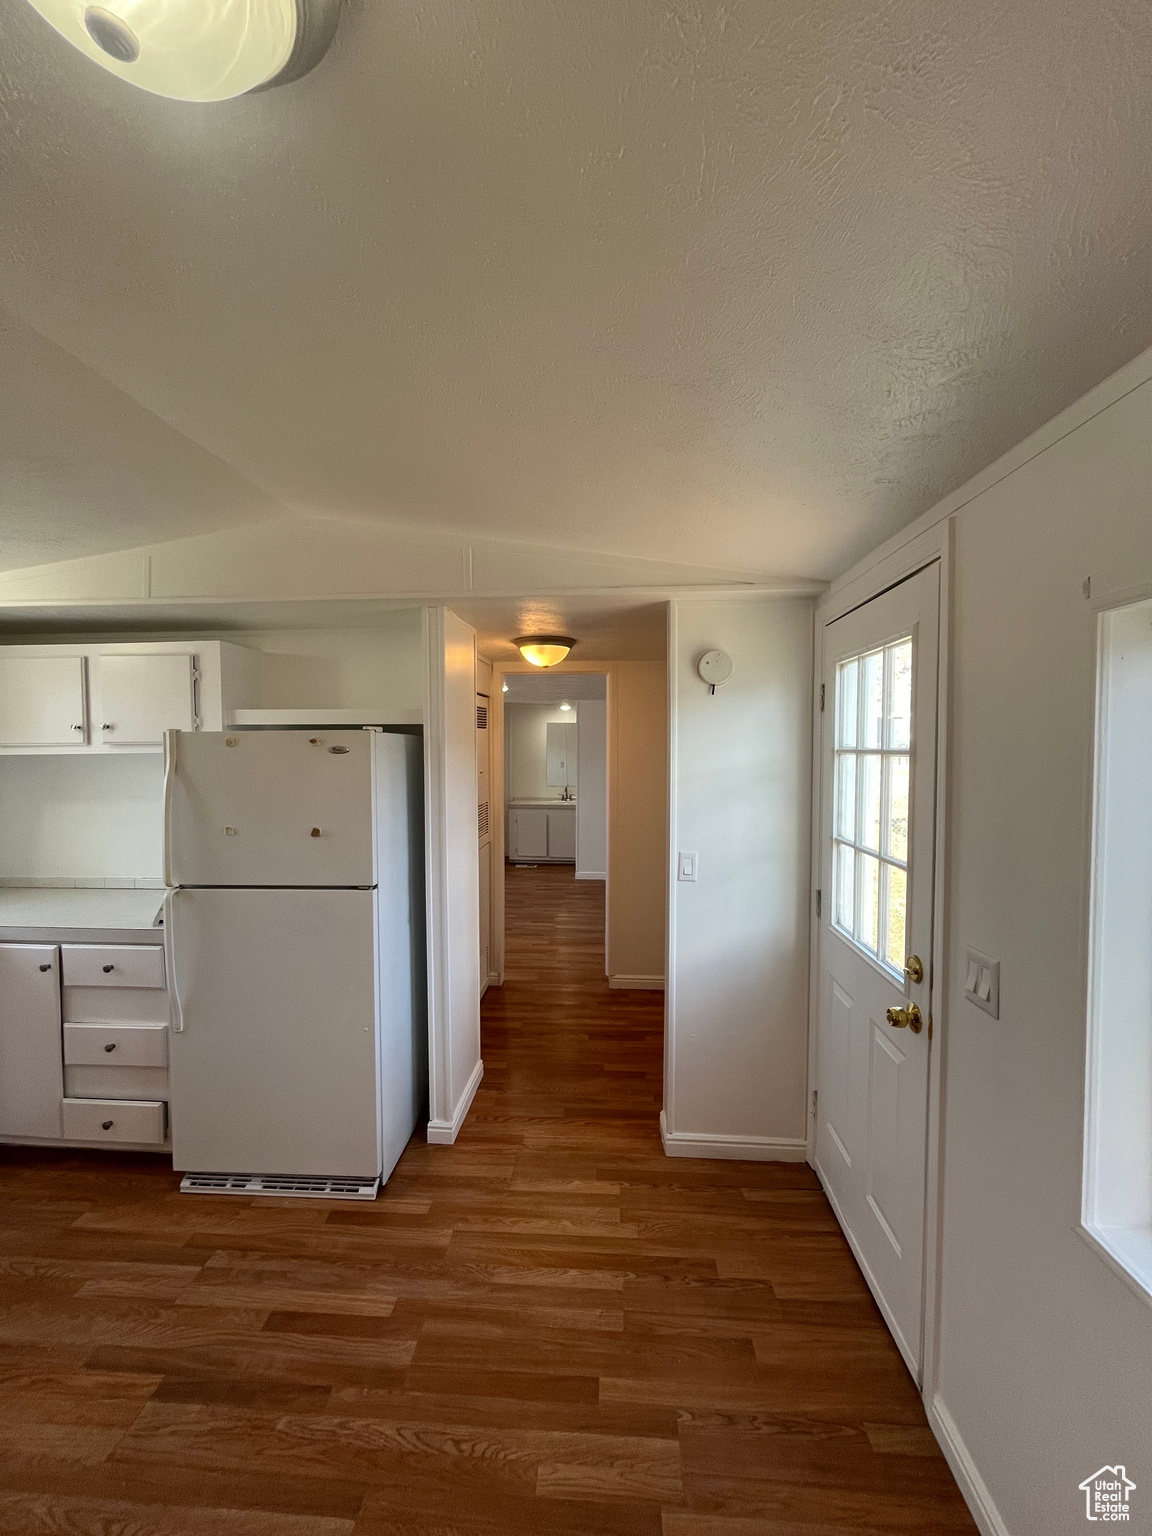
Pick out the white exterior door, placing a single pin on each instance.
(877, 877)
(42, 701)
(274, 1069)
(137, 698)
(270, 808)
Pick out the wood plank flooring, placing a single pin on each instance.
(547, 1328)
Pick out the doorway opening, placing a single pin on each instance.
(555, 805)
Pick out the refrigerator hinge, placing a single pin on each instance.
(821, 698)
(819, 902)
(815, 1092)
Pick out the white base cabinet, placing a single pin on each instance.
(120, 698)
(542, 834)
(30, 1075)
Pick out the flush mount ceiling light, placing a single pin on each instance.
(198, 50)
(544, 650)
(565, 706)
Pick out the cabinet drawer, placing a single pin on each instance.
(111, 1084)
(113, 965)
(114, 1120)
(115, 1045)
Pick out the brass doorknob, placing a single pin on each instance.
(906, 1018)
(914, 969)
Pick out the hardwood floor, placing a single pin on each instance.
(547, 1328)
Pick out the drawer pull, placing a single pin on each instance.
(106, 1125)
(45, 967)
(108, 968)
(111, 1047)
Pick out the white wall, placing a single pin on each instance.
(381, 668)
(453, 874)
(81, 818)
(736, 1030)
(637, 822)
(526, 749)
(592, 793)
(1045, 1354)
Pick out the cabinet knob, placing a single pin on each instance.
(106, 1125)
(107, 727)
(111, 1047)
(77, 727)
(46, 967)
(108, 968)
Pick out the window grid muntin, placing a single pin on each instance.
(889, 743)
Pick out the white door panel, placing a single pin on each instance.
(137, 698)
(274, 1070)
(878, 815)
(42, 701)
(275, 808)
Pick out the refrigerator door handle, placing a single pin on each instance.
(175, 1007)
(169, 777)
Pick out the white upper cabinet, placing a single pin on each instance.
(121, 698)
(41, 700)
(135, 699)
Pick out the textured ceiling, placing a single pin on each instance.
(744, 284)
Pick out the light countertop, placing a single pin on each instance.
(529, 804)
(97, 914)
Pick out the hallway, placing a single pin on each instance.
(547, 1328)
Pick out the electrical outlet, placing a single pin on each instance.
(982, 982)
(688, 863)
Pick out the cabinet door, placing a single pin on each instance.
(31, 1071)
(529, 837)
(485, 914)
(42, 701)
(562, 834)
(137, 698)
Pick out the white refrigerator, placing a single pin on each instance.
(294, 937)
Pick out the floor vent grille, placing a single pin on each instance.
(278, 1184)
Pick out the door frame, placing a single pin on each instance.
(496, 786)
(934, 545)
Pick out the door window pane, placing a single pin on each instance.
(846, 796)
(896, 909)
(845, 877)
(870, 782)
(896, 815)
(899, 712)
(868, 915)
(873, 689)
(847, 702)
(870, 809)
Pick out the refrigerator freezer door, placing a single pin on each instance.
(276, 1068)
(285, 808)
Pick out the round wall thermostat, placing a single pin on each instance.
(715, 667)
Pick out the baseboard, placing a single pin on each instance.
(958, 1457)
(590, 874)
(442, 1133)
(746, 1149)
(638, 983)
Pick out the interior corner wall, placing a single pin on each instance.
(1044, 1360)
(452, 871)
(526, 749)
(736, 1030)
(637, 823)
(592, 789)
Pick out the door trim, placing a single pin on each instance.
(933, 545)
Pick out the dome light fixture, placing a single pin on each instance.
(544, 650)
(198, 50)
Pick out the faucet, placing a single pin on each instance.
(567, 795)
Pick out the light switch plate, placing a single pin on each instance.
(687, 869)
(982, 982)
